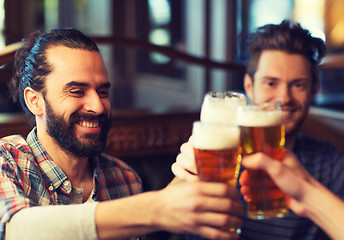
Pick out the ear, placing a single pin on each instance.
(248, 86)
(34, 101)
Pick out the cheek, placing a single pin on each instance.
(107, 106)
(303, 98)
(106, 103)
(67, 109)
(261, 95)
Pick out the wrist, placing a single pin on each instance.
(314, 197)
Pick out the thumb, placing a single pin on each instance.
(258, 161)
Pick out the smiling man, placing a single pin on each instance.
(287, 81)
(282, 67)
(79, 82)
(57, 183)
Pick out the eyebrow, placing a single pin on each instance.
(83, 84)
(270, 78)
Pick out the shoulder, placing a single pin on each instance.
(16, 158)
(309, 145)
(116, 179)
(322, 160)
(317, 155)
(107, 162)
(13, 144)
(116, 169)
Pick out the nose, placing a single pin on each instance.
(284, 94)
(94, 104)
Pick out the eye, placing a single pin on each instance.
(300, 85)
(270, 83)
(103, 93)
(76, 92)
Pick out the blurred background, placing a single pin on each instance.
(210, 29)
(162, 56)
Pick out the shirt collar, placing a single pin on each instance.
(52, 174)
(96, 178)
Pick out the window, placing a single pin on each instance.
(159, 34)
(323, 18)
(163, 27)
(213, 29)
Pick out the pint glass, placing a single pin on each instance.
(261, 130)
(221, 106)
(217, 150)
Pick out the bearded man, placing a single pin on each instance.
(46, 179)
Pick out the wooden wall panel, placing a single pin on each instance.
(133, 133)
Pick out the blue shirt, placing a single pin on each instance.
(326, 164)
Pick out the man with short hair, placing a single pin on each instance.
(57, 183)
(282, 67)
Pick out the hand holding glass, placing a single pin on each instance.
(262, 131)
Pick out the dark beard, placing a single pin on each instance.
(91, 145)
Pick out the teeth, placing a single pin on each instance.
(89, 124)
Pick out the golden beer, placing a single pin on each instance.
(263, 131)
(217, 152)
(217, 165)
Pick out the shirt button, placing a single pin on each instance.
(66, 183)
(50, 188)
(79, 191)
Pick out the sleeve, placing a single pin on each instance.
(12, 190)
(54, 222)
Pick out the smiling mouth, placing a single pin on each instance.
(87, 124)
(288, 113)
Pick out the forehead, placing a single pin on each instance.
(280, 64)
(70, 64)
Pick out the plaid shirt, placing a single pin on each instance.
(29, 177)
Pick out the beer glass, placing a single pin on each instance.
(261, 130)
(221, 106)
(217, 150)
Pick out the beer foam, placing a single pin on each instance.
(215, 136)
(259, 118)
(232, 100)
(219, 110)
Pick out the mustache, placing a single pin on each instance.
(76, 117)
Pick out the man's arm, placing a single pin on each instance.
(194, 207)
(200, 208)
(308, 197)
(53, 222)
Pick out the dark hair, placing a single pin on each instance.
(30, 64)
(289, 37)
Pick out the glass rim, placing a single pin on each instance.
(223, 94)
(215, 124)
(262, 106)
